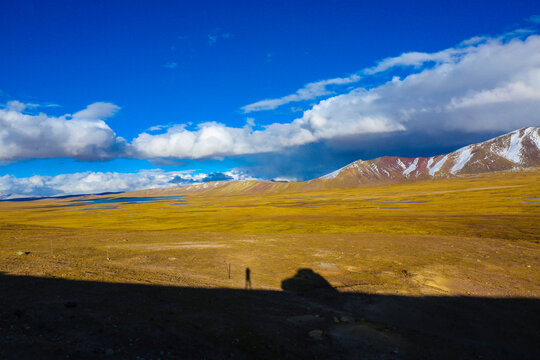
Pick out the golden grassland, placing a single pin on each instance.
(470, 235)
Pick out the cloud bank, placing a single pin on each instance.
(99, 182)
(83, 135)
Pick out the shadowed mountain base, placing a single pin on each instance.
(55, 318)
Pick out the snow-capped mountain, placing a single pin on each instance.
(515, 150)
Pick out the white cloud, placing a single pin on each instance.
(414, 59)
(512, 92)
(99, 182)
(491, 86)
(217, 140)
(158, 127)
(96, 111)
(284, 179)
(15, 105)
(82, 136)
(308, 92)
(451, 55)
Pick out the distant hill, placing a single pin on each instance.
(516, 150)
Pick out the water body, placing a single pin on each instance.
(401, 202)
(55, 197)
(130, 200)
(98, 208)
(382, 202)
(526, 200)
(412, 202)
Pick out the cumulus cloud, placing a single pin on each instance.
(310, 91)
(83, 135)
(99, 182)
(493, 85)
(214, 140)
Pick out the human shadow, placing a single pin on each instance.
(50, 318)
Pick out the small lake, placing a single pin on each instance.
(98, 208)
(129, 200)
(383, 202)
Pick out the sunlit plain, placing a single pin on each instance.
(471, 235)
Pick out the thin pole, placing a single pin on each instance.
(229, 270)
(108, 254)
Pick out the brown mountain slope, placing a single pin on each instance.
(518, 149)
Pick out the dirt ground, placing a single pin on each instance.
(374, 263)
(168, 295)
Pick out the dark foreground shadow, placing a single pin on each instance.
(45, 318)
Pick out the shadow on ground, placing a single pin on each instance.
(55, 318)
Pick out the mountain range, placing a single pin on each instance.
(517, 150)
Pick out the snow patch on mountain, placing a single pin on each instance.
(411, 167)
(514, 150)
(464, 156)
(438, 165)
(333, 174)
(535, 137)
(512, 153)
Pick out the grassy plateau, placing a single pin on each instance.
(466, 235)
(475, 236)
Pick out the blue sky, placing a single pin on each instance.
(174, 88)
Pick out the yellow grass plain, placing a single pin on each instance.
(473, 235)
